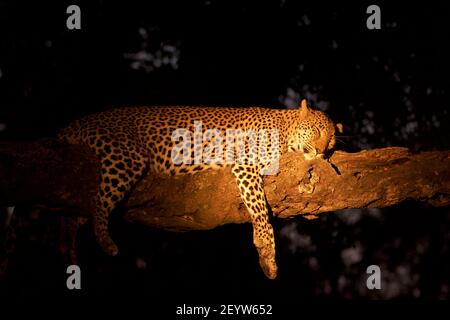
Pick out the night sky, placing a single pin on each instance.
(388, 87)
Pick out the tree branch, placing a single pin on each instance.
(54, 174)
(367, 179)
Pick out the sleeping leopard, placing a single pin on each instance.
(133, 140)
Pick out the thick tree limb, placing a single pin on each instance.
(375, 178)
(48, 173)
(67, 176)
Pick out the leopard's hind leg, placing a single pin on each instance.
(123, 162)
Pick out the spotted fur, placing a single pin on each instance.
(130, 141)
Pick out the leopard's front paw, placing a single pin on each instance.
(267, 261)
(269, 267)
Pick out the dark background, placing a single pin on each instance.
(388, 87)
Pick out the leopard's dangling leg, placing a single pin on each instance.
(122, 165)
(250, 184)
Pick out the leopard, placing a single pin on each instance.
(130, 142)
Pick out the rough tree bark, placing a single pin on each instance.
(57, 175)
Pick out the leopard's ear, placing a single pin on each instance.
(339, 127)
(304, 109)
